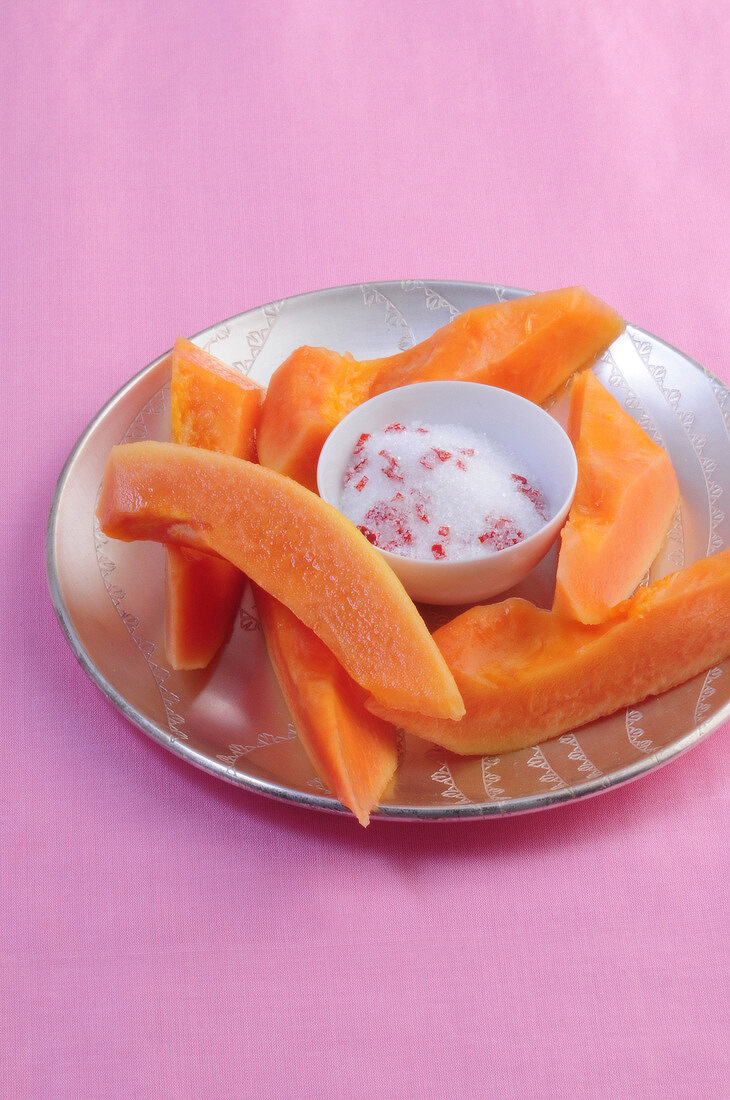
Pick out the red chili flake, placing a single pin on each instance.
(392, 470)
(403, 538)
(361, 484)
(502, 533)
(421, 512)
(361, 442)
(532, 494)
(369, 535)
(391, 524)
(460, 465)
(395, 428)
(436, 454)
(444, 531)
(423, 431)
(438, 551)
(468, 451)
(354, 469)
(398, 496)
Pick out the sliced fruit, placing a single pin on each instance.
(625, 499)
(307, 396)
(529, 345)
(527, 675)
(217, 408)
(295, 546)
(354, 752)
(213, 406)
(202, 594)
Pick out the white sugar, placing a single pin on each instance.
(433, 491)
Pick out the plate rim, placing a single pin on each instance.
(279, 792)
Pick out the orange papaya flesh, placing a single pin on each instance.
(527, 675)
(351, 750)
(202, 594)
(354, 752)
(293, 545)
(213, 406)
(216, 408)
(625, 500)
(307, 396)
(529, 345)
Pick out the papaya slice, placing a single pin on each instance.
(354, 752)
(216, 408)
(625, 499)
(293, 545)
(529, 345)
(308, 395)
(202, 594)
(350, 749)
(527, 675)
(213, 406)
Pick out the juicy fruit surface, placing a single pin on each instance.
(527, 675)
(354, 752)
(529, 345)
(216, 408)
(202, 594)
(296, 547)
(307, 396)
(625, 500)
(212, 405)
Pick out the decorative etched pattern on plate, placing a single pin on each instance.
(706, 692)
(635, 733)
(722, 397)
(394, 319)
(256, 338)
(586, 766)
(699, 442)
(432, 298)
(550, 777)
(455, 794)
(263, 741)
(491, 780)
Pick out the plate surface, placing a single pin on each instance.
(231, 719)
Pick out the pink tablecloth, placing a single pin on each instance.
(164, 166)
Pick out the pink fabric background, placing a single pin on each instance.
(164, 166)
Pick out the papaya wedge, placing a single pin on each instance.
(295, 546)
(216, 408)
(527, 675)
(626, 496)
(354, 752)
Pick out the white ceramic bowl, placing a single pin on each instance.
(517, 425)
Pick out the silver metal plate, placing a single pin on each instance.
(230, 719)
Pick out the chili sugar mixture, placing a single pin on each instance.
(439, 491)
